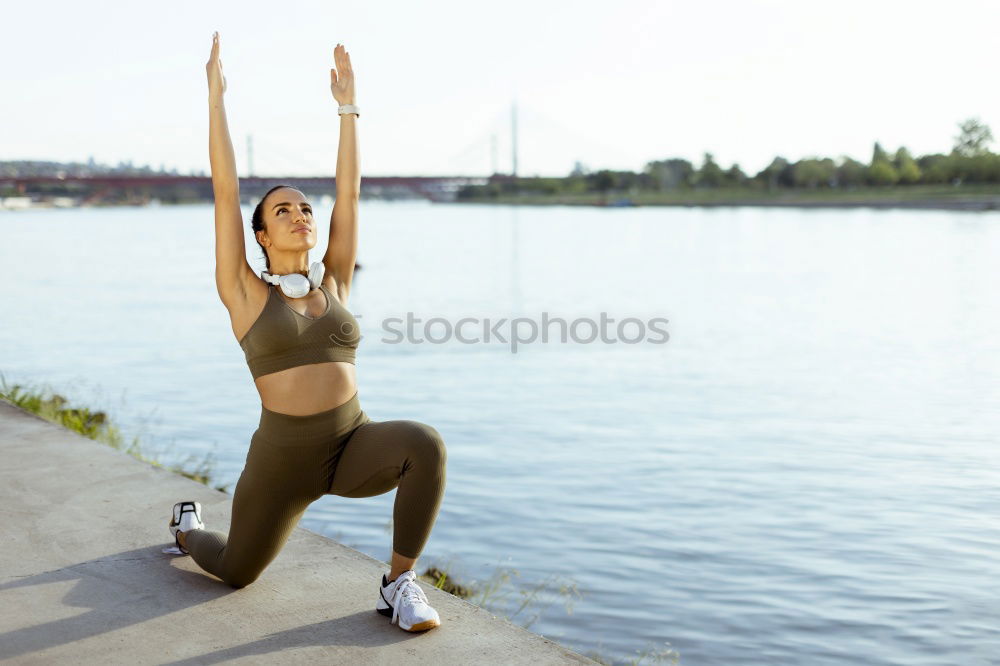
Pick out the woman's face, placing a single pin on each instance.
(289, 220)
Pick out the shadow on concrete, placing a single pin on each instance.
(362, 629)
(142, 586)
(131, 587)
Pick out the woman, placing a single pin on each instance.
(299, 339)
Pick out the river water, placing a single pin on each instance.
(800, 469)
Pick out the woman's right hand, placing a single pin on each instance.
(216, 79)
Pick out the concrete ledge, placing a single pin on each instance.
(83, 578)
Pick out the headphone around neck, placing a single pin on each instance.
(296, 285)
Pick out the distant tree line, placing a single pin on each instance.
(970, 161)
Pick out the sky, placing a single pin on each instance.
(612, 85)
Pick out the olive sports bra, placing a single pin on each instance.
(283, 338)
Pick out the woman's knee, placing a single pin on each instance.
(241, 579)
(429, 443)
(242, 571)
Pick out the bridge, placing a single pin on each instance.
(142, 188)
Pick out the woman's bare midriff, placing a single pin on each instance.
(308, 389)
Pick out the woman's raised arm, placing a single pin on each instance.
(343, 246)
(231, 267)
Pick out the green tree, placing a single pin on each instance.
(813, 172)
(600, 181)
(628, 180)
(710, 174)
(908, 170)
(938, 168)
(882, 172)
(851, 173)
(983, 168)
(670, 174)
(973, 139)
(735, 176)
(879, 154)
(776, 174)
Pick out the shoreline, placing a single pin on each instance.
(919, 201)
(962, 203)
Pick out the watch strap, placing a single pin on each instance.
(349, 108)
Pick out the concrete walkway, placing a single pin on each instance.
(83, 578)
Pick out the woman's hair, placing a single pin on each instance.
(257, 220)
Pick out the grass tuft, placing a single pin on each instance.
(97, 426)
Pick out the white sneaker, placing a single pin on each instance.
(406, 603)
(186, 516)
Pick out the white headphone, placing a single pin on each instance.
(296, 285)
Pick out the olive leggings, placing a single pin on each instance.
(294, 460)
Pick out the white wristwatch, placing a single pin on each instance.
(349, 108)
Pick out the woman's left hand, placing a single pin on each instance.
(342, 77)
